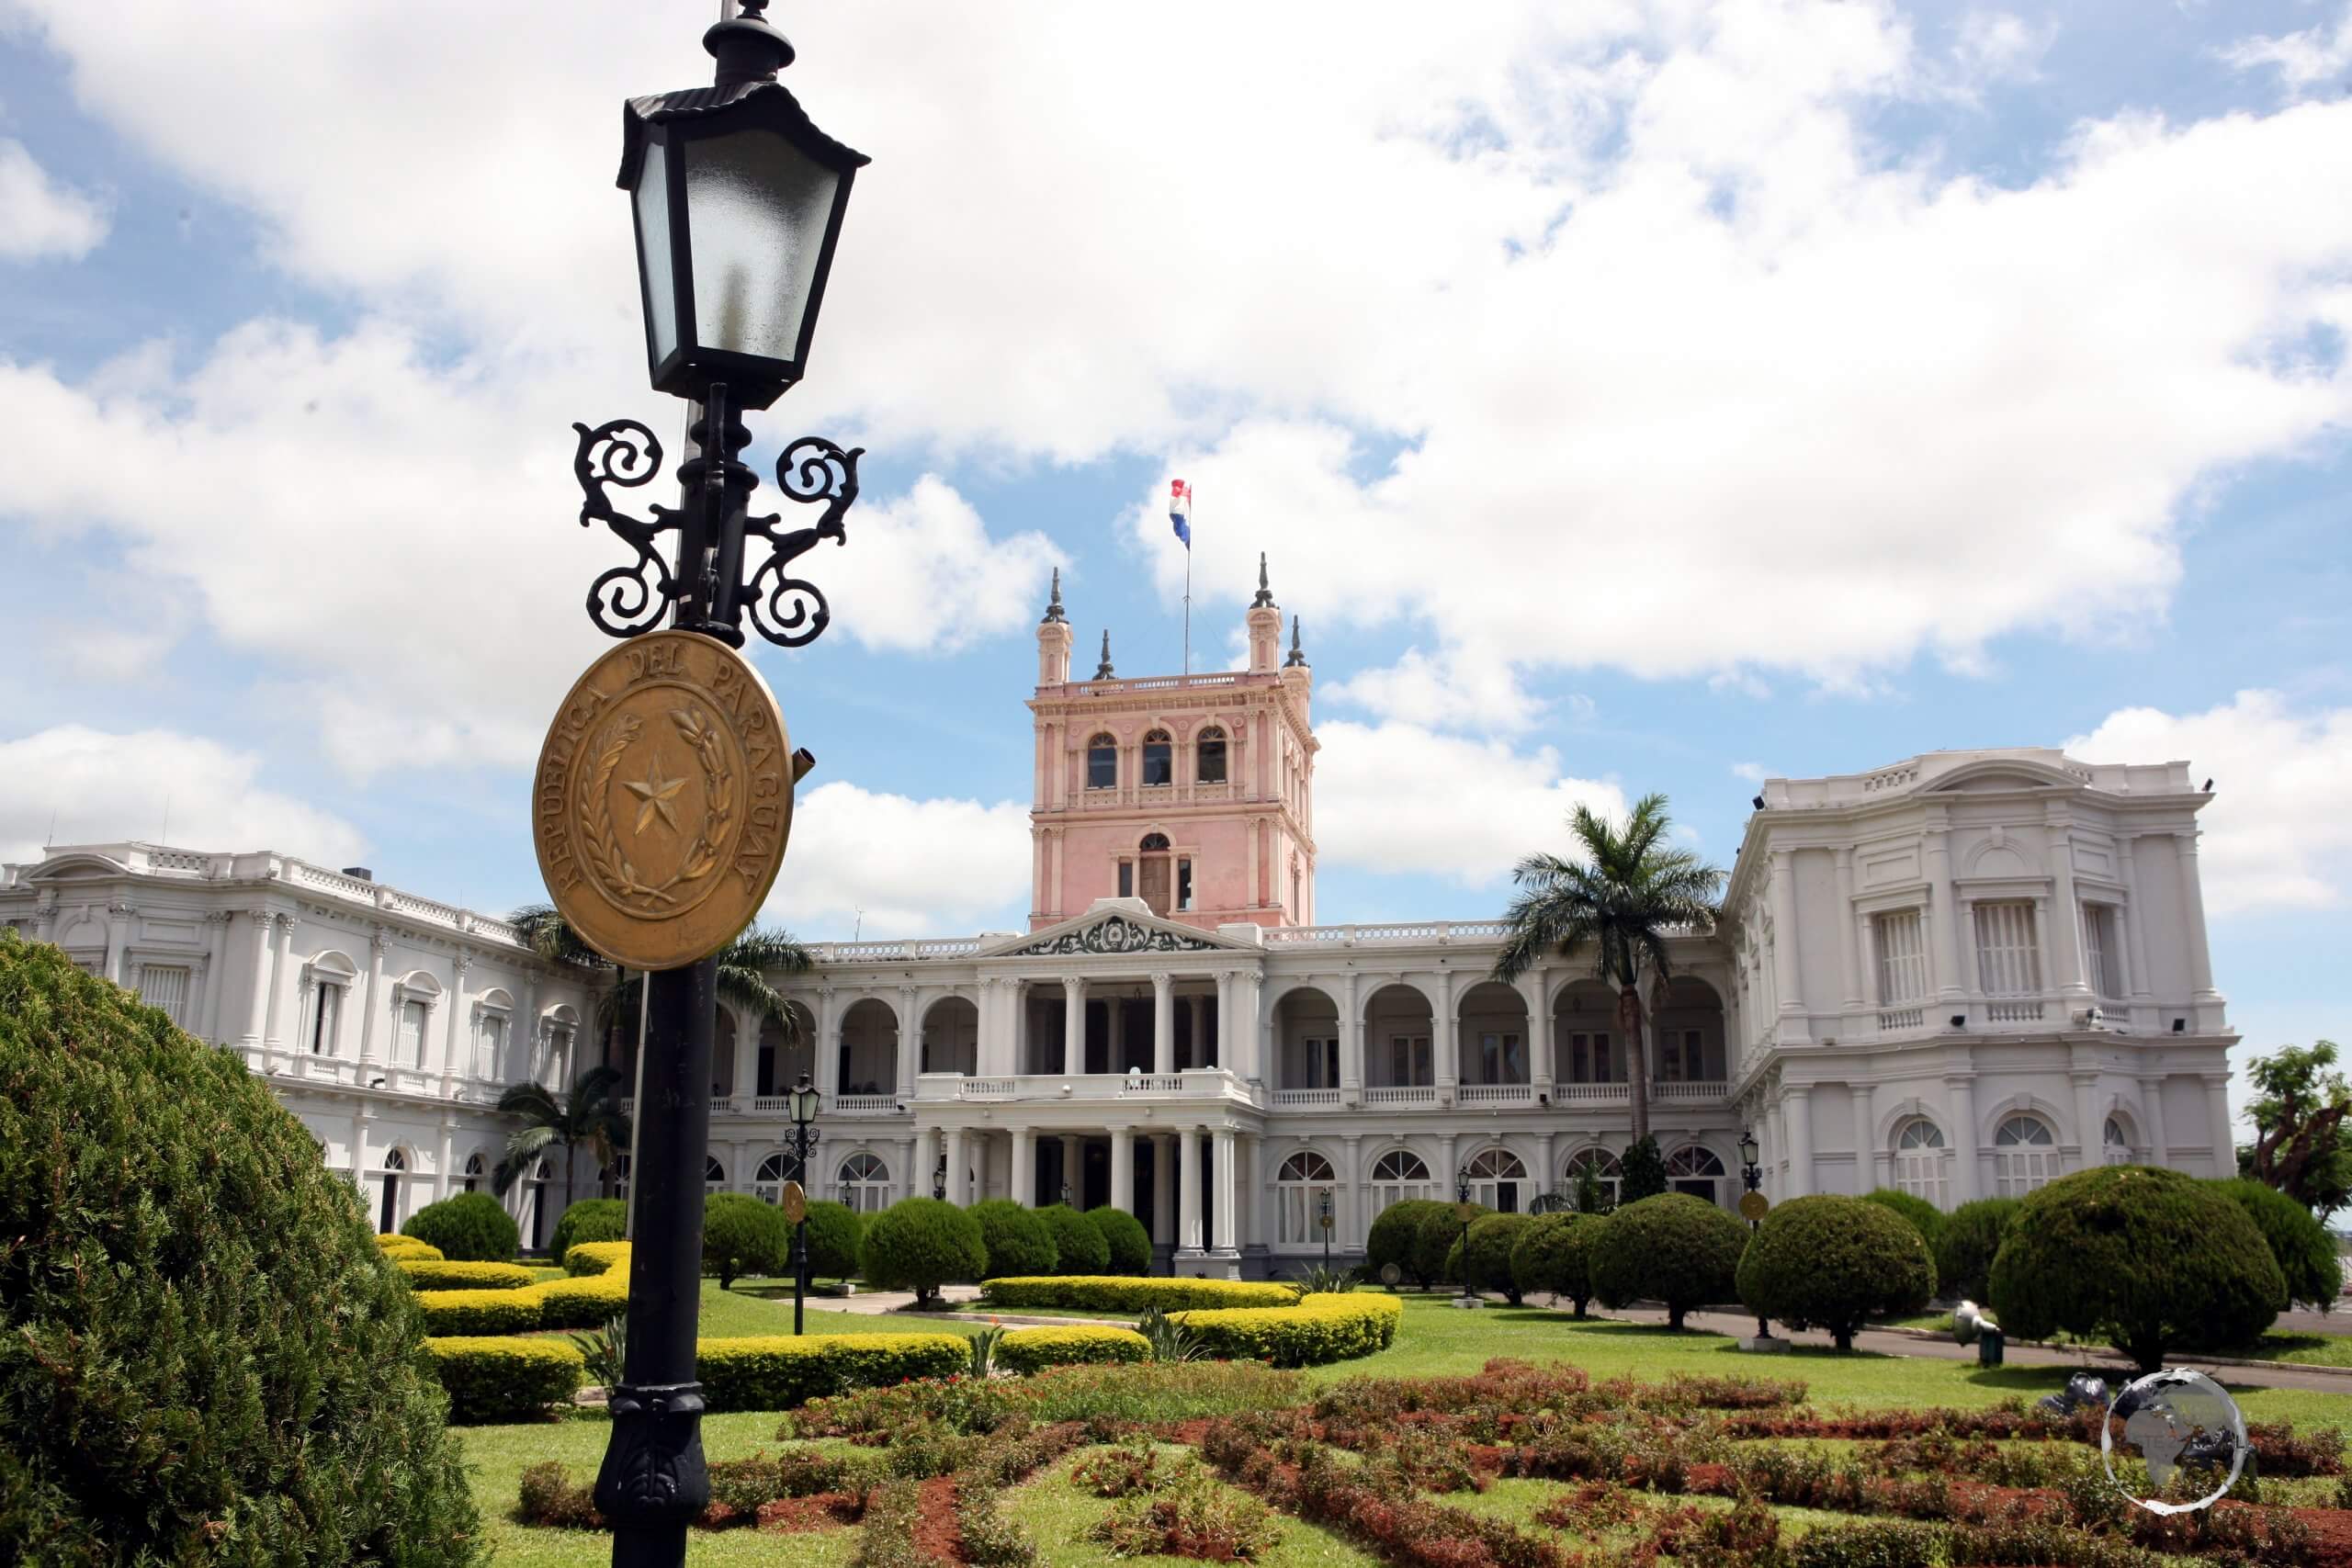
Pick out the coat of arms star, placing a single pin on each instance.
(654, 795)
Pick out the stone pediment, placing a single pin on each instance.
(1113, 928)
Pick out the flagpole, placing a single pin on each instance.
(1187, 607)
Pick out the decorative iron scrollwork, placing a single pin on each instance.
(705, 590)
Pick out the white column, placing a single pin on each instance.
(1073, 1171)
(2151, 1111)
(257, 1016)
(1122, 1169)
(2192, 895)
(1867, 962)
(911, 1174)
(1848, 948)
(2226, 1147)
(1249, 1229)
(958, 1189)
(1967, 1162)
(746, 1063)
(1164, 1024)
(1449, 1160)
(452, 1057)
(1073, 1023)
(1784, 942)
(441, 1160)
(216, 971)
(1114, 1046)
(359, 1158)
(1196, 1032)
(286, 1007)
(1227, 1036)
(1163, 1189)
(1547, 1173)
(1226, 1175)
(2090, 1127)
(910, 1055)
(1540, 1050)
(825, 1052)
(1443, 1029)
(1025, 1168)
(2135, 941)
(1347, 1216)
(1188, 1190)
(2066, 937)
(118, 918)
(1866, 1149)
(1943, 945)
(1351, 1041)
(1797, 1109)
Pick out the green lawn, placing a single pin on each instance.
(2304, 1349)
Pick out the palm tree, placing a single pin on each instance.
(591, 1115)
(744, 965)
(1621, 898)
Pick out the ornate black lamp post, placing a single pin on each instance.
(801, 1105)
(737, 201)
(939, 1180)
(1462, 1211)
(1323, 1218)
(1752, 1173)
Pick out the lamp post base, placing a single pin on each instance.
(1763, 1342)
(1466, 1300)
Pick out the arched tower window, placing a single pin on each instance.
(1155, 880)
(1209, 748)
(1159, 758)
(1102, 764)
(1919, 1160)
(1303, 1177)
(2025, 1155)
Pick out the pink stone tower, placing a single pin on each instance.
(1193, 793)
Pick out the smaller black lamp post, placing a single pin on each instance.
(1066, 1195)
(1752, 1173)
(1323, 1217)
(939, 1180)
(801, 1105)
(1462, 1201)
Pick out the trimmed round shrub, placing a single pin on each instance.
(1126, 1292)
(1434, 1240)
(1393, 1234)
(1321, 1328)
(591, 1219)
(1554, 1255)
(1017, 1240)
(1130, 1244)
(1079, 1246)
(432, 1274)
(469, 1227)
(1026, 1350)
(834, 1232)
(591, 1257)
(505, 1380)
(1922, 1215)
(921, 1243)
(740, 1235)
(1491, 1238)
(783, 1371)
(1673, 1248)
(202, 1354)
(404, 1248)
(2145, 1259)
(2299, 1244)
(1972, 1234)
(1834, 1262)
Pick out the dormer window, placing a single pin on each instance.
(1102, 764)
(1159, 758)
(1211, 748)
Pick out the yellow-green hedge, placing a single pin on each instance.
(1123, 1292)
(779, 1371)
(406, 1247)
(1028, 1350)
(498, 1379)
(583, 1302)
(1319, 1328)
(433, 1274)
(589, 1258)
(468, 1312)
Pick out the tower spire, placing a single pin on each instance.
(1265, 594)
(1102, 671)
(1297, 660)
(1054, 606)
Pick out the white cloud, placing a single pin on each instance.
(103, 788)
(901, 866)
(1461, 689)
(2276, 835)
(920, 574)
(40, 218)
(1397, 797)
(1753, 772)
(2303, 60)
(1995, 44)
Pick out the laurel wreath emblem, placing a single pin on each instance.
(605, 857)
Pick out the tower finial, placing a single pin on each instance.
(1054, 607)
(1102, 671)
(1265, 598)
(1297, 660)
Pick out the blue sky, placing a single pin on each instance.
(1630, 400)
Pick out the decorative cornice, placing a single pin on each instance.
(1115, 935)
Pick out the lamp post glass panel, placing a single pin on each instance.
(736, 203)
(802, 1104)
(1752, 1173)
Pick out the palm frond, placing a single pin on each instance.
(552, 936)
(532, 1101)
(769, 949)
(525, 1145)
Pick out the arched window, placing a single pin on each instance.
(1155, 879)
(1209, 748)
(475, 1170)
(1297, 1186)
(1495, 1177)
(714, 1175)
(865, 1183)
(1696, 1171)
(767, 1186)
(389, 1214)
(1397, 1176)
(618, 1175)
(1102, 762)
(2025, 1155)
(1919, 1161)
(534, 1196)
(1602, 1165)
(2117, 1142)
(1159, 758)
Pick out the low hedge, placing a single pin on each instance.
(433, 1274)
(500, 1379)
(582, 1300)
(1125, 1292)
(1026, 1350)
(596, 1257)
(473, 1312)
(1319, 1328)
(780, 1371)
(398, 1247)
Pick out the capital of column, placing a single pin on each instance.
(1162, 983)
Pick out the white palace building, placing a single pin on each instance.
(1961, 974)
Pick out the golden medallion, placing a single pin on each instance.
(1754, 1206)
(664, 800)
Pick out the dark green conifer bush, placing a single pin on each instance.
(1017, 1240)
(921, 1243)
(469, 1227)
(591, 1219)
(2299, 1244)
(1923, 1216)
(1972, 1234)
(204, 1356)
(1834, 1262)
(1552, 1255)
(835, 1231)
(1673, 1248)
(740, 1235)
(1079, 1246)
(1394, 1231)
(1129, 1243)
